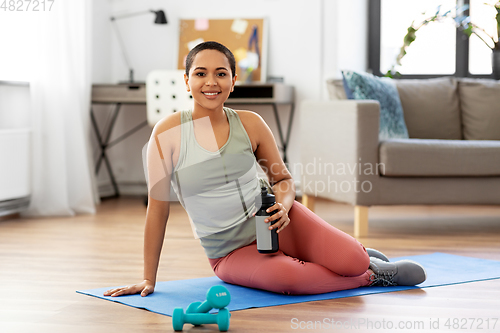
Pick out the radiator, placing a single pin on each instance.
(15, 172)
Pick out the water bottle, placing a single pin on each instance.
(267, 240)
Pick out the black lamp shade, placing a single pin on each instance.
(160, 17)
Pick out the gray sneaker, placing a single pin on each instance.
(400, 273)
(376, 254)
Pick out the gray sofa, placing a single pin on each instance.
(451, 157)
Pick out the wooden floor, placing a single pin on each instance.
(43, 262)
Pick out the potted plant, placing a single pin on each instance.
(465, 25)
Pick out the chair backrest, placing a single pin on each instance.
(165, 94)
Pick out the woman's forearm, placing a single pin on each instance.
(284, 191)
(154, 235)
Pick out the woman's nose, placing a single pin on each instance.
(211, 81)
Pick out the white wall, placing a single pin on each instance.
(345, 38)
(309, 41)
(101, 42)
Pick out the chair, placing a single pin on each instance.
(165, 94)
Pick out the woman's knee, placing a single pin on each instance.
(354, 261)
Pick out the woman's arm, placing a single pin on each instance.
(159, 165)
(268, 156)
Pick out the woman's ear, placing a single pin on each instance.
(186, 79)
(234, 82)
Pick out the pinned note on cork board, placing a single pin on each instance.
(246, 38)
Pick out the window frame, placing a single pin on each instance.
(374, 41)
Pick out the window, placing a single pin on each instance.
(479, 53)
(16, 37)
(439, 49)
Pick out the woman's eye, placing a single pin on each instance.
(221, 74)
(200, 74)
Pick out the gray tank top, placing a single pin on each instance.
(218, 189)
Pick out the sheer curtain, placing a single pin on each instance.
(63, 182)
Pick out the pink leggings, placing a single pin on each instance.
(314, 258)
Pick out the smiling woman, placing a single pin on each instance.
(220, 189)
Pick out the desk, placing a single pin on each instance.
(272, 94)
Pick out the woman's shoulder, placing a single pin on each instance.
(167, 123)
(254, 125)
(250, 118)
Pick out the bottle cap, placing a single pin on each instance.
(265, 198)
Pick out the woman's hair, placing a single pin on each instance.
(210, 46)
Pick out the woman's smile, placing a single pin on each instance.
(211, 94)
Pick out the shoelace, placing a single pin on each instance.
(385, 279)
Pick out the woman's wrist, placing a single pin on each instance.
(284, 191)
(152, 281)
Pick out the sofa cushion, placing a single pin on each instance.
(431, 108)
(480, 104)
(439, 158)
(364, 86)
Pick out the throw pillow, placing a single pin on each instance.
(366, 86)
(431, 108)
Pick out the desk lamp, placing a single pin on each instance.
(160, 18)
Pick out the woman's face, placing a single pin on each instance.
(210, 79)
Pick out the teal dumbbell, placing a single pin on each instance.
(179, 318)
(218, 297)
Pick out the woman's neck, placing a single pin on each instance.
(214, 114)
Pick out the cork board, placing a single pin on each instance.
(246, 38)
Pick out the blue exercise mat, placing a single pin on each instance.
(442, 269)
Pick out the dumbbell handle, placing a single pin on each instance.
(204, 307)
(200, 318)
